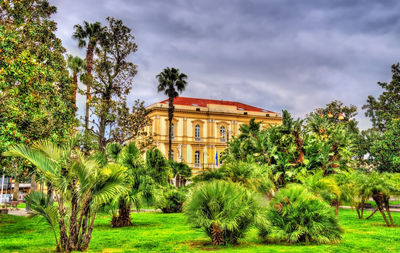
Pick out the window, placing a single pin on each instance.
(172, 131)
(222, 133)
(197, 133)
(197, 159)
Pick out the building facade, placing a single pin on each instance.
(202, 128)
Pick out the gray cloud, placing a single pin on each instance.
(276, 54)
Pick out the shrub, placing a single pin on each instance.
(296, 215)
(171, 200)
(225, 210)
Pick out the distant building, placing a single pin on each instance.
(202, 127)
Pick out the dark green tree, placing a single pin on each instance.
(34, 84)
(171, 82)
(383, 109)
(157, 166)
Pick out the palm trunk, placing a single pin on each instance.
(337, 208)
(89, 65)
(88, 236)
(387, 207)
(33, 188)
(372, 214)
(73, 228)
(123, 219)
(170, 117)
(177, 180)
(379, 200)
(63, 231)
(16, 190)
(74, 86)
(216, 234)
(362, 207)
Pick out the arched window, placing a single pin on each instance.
(197, 159)
(197, 132)
(172, 130)
(222, 133)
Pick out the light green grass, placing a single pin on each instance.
(157, 232)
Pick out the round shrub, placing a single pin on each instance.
(224, 210)
(171, 200)
(296, 215)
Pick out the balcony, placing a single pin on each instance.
(222, 140)
(197, 139)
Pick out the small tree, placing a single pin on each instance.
(157, 166)
(224, 210)
(79, 185)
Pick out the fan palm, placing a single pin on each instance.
(225, 210)
(76, 65)
(79, 185)
(88, 35)
(171, 82)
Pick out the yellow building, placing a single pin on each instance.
(202, 127)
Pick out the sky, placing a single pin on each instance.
(274, 54)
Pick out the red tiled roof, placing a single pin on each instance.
(204, 102)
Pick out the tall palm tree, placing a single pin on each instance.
(88, 36)
(171, 82)
(76, 65)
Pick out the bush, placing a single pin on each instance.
(171, 200)
(296, 215)
(225, 210)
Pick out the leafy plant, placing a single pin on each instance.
(224, 210)
(296, 215)
(171, 200)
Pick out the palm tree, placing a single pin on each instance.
(88, 36)
(79, 185)
(172, 82)
(76, 65)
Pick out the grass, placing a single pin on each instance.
(157, 232)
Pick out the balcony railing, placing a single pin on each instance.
(197, 138)
(222, 140)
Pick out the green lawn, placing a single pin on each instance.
(156, 232)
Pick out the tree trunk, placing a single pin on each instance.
(372, 214)
(362, 207)
(123, 219)
(177, 180)
(387, 207)
(33, 188)
(379, 200)
(73, 225)
(88, 236)
(16, 190)
(89, 65)
(75, 87)
(337, 208)
(216, 234)
(170, 117)
(63, 231)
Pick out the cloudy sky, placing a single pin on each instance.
(274, 54)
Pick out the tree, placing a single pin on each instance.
(224, 210)
(113, 79)
(79, 185)
(171, 82)
(88, 36)
(385, 149)
(76, 65)
(157, 166)
(181, 171)
(337, 113)
(141, 187)
(383, 109)
(34, 84)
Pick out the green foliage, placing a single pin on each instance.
(81, 186)
(171, 199)
(35, 88)
(385, 150)
(224, 210)
(297, 215)
(386, 107)
(157, 166)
